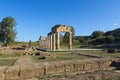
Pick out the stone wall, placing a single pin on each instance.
(50, 68)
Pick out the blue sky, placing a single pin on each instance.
(37, 17)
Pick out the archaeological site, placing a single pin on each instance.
(50, 60)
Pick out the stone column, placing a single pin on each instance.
(54, 41)
(39, 43)
(50, 42)
(58, 41)
(70, 40)
(46, 43)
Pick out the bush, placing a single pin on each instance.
(76, 42)
(112, 50)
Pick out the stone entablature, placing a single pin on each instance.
(61, 28)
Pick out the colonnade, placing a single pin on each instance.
(52, 42)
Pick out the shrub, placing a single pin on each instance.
(112, 50)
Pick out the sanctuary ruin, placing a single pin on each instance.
(52, 42)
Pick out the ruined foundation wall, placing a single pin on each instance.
(50, 68)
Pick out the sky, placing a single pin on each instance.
(36, 17)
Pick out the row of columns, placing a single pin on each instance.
(55, 41)
(52, 42)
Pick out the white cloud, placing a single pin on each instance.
(115, 24)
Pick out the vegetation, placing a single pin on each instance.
(100, 38)
(58, 56)
(10, 55)
(100, 53)
(97, 34)
(7, 30)
(8, 59)
(81, 55)
(7, 62)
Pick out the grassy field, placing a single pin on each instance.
(100, 53)
(52, 56)
(57, 56)
(8, 59)
(7, 62)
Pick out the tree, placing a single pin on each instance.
(66, 38)
(109, 39)
(7, 30)
(97, 34)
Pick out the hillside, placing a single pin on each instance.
(115, 32)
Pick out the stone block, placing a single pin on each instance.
(69, 66)
(26, 71)
(2, 76)
(87, 66)
(12, 72)
(78, 66)
(104, 63)
(50, 68)
(38, 70)
(95, 64)
(59, 67)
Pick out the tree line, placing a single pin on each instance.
(99, 38)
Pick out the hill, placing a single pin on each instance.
(115, 32)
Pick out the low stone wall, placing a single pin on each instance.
(30, 70)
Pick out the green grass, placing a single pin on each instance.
(8, 59)
(66, 46)
(37, 58)
(68, 56)
(57, 56)
(8, 55)
(7, 62)
(100, 53)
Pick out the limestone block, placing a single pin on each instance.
(87, 66)
(108, 63)
(54, 68)
(50, 68)
(12, 72)
(104, 63)
(69, 66)
(59, 67)
(38, 69)
(95, 64)
(26, 71)
(2, 76)
(78, 66)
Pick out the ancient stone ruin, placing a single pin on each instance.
(23, 69)
(52, 42)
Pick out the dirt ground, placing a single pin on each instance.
(97, 75)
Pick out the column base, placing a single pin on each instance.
(70, 46)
